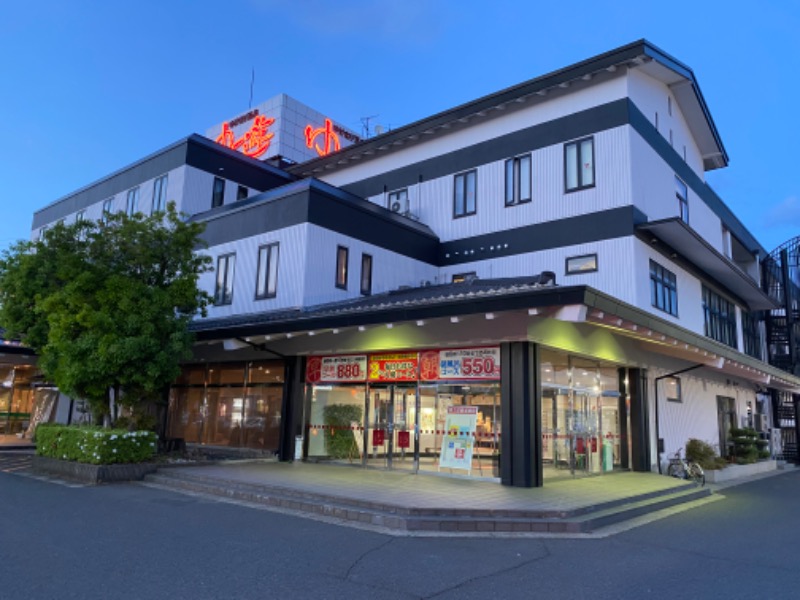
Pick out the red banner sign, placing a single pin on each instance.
(378, 437)
(460, 364)
(394, 367)
(336, 369)
(403, 439)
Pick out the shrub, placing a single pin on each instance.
(704, 454)
(94, 445)
(745, 447)
(340, 441)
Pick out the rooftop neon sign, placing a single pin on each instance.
(330, 141)
(255, 140)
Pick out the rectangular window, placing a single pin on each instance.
(366, 274)
(160, 194)
(518, 180)
(218, 194)
(663, 289)
(682, 194)
(226, 266)
(464, 277)
(398, 201)
(108, 205)
(267, 274)
(132, 204)
(80, 216)
(581, 264)
(672, 389)
(241, 193)
(751, 332)
(341, 267)
(579, 165)
(464, 201)
(720, 318)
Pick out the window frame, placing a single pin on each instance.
(107, 209)
(569, 271)
(719, 318)
(678, 395)
(159, 203)
(131, 208)
(683, 201)
(515, 164)
(465, 175)
(579, 160)
(80, 215)
(463, 277)
(239, 195)
(663, 289)
(227, 281)
(271, 258)
(342, 266)
(366, 290)
(217, 194)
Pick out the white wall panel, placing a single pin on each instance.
(197, 190)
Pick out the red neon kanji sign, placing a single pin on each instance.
(255, 140)
(330, 139)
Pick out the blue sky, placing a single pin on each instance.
(89, 87)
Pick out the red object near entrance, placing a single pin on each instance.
(403, 439)
(378, 437)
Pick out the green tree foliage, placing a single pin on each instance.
(106, 305)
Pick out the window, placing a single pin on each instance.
(518, 180)
(398, 201)
(107, 207)
(464, 194)
(42, 231)
(579, 165)
(226, 265)
(751, 332)
(682, 194)
(581, 264)
(663, 289)
(366, 274)
(672, 389)
(160, 194)
(241, 193)
(80, 216)
(267, 274)
(218, 194)
(132, 205)
(341, 267)
(720, 318)
(464, 277)
(726, 241)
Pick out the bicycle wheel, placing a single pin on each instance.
(675, 470)
(697, 474)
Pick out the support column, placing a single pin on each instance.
(624, 458)
(640, 420)
(292, 405)
(521, 408)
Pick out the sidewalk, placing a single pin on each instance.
(12, 442)
(403, 501)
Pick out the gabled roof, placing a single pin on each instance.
(641, 55)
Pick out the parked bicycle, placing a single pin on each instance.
(682, 469)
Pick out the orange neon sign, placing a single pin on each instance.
(330, 139)
(255, 140)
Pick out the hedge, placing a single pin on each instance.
(94, 445)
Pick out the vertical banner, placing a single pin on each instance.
(459, 440)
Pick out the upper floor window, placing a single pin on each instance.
(720, 318)
(726, 241)
(341, 267)
(366, 274)
(132, 204)
(682, 194)
(579, 165)
(397, 201)
(241, 192)
(465, 192)
(581, 264)
(160, 194)
(108, 205)
(267, 273)
(518, 180)
(464, 277)
(751, 334)
(80, 216)
(663, 289)
(218, 193)
(226, 267)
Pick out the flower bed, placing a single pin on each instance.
(94, 445)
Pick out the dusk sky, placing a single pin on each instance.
(89, 87)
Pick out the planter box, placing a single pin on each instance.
(732, 472)
(91, 474)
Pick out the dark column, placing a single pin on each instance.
(624, 459)
(521, 414)
(640, 421)
(292, 405)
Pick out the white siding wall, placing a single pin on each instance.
(650, 96)
(198, 187)
(542, 112)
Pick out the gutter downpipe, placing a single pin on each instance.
(655, 385)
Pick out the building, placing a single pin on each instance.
(535, 284)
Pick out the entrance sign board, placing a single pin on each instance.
(459, 440)
(402, 366)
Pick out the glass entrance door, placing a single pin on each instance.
(392, 437)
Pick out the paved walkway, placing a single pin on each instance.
(12, 441)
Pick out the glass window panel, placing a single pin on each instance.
(510, 182)
(272, 281)
(571, 165)
(587, 162)
(458, 198)
(524, 178)
(471, 192)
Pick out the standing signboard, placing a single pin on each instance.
(459, 440)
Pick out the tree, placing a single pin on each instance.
(106, 305)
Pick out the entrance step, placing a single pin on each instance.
(402, 518)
